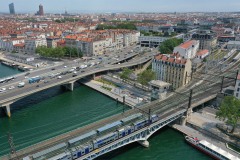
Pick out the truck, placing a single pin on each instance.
(21, 84)
(34, 79)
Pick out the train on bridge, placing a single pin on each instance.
(73, 149)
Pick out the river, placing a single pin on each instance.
(55, 111)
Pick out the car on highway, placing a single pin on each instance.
(11, 87)
(21, 84)
(59, 77)
(2, 90)
(46, 81)
(27, 74)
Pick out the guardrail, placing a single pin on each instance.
(73, 79)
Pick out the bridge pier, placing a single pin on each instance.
(69, 86)
(8, 110)
(144, 143)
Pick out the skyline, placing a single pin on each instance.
(29, 6)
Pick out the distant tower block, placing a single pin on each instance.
(11, 8)
(40, 12)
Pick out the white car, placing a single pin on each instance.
(2, 90)
(59, 77)
(75, 72)
(65, 66)
(11, 87)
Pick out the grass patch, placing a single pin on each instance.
(106, 82)
(233, 147)
(107, 88)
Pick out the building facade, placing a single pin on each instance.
(172, 69)
(11, 8)
(32, 43)
(151, 41)
(233, 45)
(207, 40)
(187, 49)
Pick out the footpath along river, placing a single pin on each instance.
(55, 111)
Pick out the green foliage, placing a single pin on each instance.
(229, 110)
(126, 25)
(58, 52)
(167, 46)
(146, 76)
(125, 73)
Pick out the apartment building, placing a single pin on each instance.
(52, 41)
(32, 43)
(207, 40)
(187, 49)
(8, 43)
(172, 69)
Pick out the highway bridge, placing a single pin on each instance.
(179, 103)
(11, 96)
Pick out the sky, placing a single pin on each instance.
(73, 6)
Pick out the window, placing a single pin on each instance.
(236, 94)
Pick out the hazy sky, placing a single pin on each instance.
(122, 5)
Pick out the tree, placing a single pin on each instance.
(146, 76)
(229, 111)
(125, 73)
(167, 46)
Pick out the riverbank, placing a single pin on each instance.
(204, 128)
(110, 91)
(21, 66)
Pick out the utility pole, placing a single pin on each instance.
(222, 84)
(123, 103)
(190, 99)
(236, 77)
(149, 115)
(12, 146)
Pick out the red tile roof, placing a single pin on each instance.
(202, 52)
(187, 44)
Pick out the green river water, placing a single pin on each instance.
(55, 111)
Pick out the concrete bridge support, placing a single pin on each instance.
(144, 143)
(69, 86)
(7, 109)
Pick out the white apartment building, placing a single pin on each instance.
(91, 47)
(32, 43)
(172, 69)
(187, 49)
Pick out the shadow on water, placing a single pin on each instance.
(36, 98)
(129, 147)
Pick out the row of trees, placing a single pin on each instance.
(125, 25)
(143, 78)
(167, 46)
(230, 111)
(58, 52)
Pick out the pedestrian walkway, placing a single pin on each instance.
(113, 93)
(14, 62)
(194, 133)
